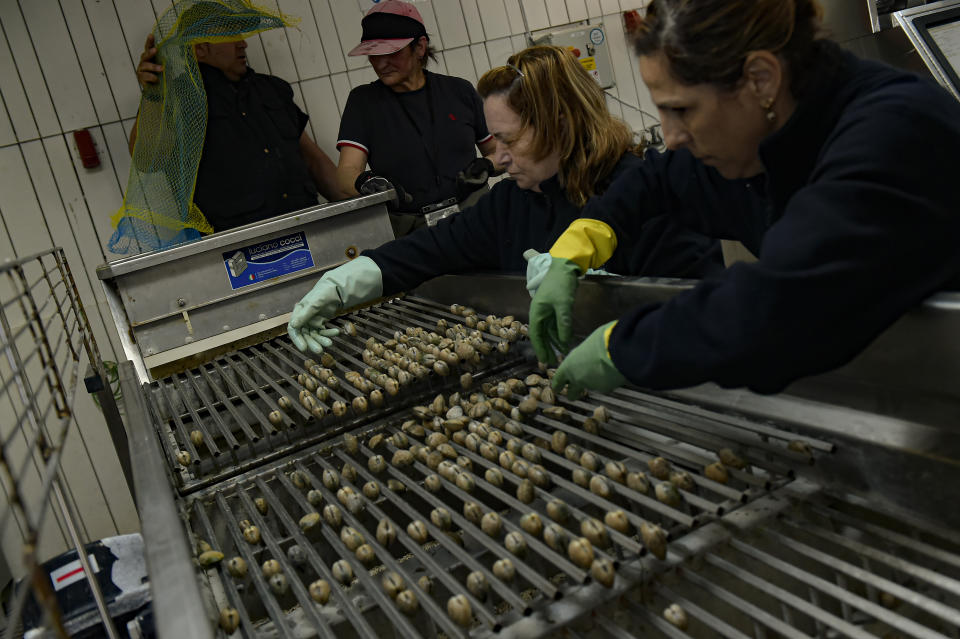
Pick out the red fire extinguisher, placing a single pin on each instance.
(86, 148)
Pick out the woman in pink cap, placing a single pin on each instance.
(416, 129)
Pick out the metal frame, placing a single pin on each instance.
(44, 312)
(906, 18)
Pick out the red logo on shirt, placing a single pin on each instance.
(452, 117)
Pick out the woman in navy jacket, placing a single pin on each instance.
(854, 161)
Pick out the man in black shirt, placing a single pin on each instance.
(257, 161)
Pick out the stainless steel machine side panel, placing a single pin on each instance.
(240, 235)
(181, 297)
(905, 18)
(177, 603)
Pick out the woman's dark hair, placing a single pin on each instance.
(431, 53)
(707, 41)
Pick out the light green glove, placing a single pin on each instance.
(537, 265)
(355, 282)
(589, 366)
(551, 318)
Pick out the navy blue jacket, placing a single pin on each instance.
(493, 234)
(861, 223)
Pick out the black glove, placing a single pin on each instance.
(473, 177)
(368, 183)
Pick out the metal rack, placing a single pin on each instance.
(46, 347)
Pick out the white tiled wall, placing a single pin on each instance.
(69, 64)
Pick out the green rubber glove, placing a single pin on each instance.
(551, 317)
(353, 283)
(589, 366)
(537, 265)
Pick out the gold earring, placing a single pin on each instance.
(767, 105)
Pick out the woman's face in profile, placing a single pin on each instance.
(513, 144)
(722, 129)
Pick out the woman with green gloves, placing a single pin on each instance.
(861, 217)
(561, 147)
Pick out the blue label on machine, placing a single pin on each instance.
(267, 259)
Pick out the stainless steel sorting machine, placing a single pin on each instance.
(420, 480)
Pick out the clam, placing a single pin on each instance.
(494, 477)
(348, 472)
(464, 462)
(539, 476)
(580, 552)
(433, 483)
(447, 451)
(595, 531)
(603, 571)
(655, 539)
(491, 524)
(210, 558)
(327, 360)
(617, 520)
(196, 437)
(407, 602)
(659, 468)
(507, 459)
(418, 531)
(520, 468)
(531, 453)
(558, 442)
(448, 470)
(270, 568)
(573, 453)
(668, 494)
(591, 425)
(458, 607)
(251, 534)
(526, 492)
(515, 446)
(683, 480)
(354, 504)
(638, 481)
(308, 521)
(800, 446)
(532, 524)
(344, 493)
(374, 442)
(425, 583)
(590, 461)
(677, 616)
(556, 537)
(183, 458)
(285, 403)
(581, 477)
(320, 591)
(515, 543)
(332, 515)
(466, 381)
(391, 386)
(402, 458)
(376, 398)
(441, 518)
(600, 486)
(275, 417)
(339, 408)
(528, 405)
(297, 555)
(601, 414)
(473, 512)
(300, 479)
(478, 585)
(616, 471)
(504, 570)
(342, 571)
(717, 472)
(393, 584)
(386, 532)
(237, 567)
(203, 546)
(729, 458)
(229, 620)
(278, 584)
(488, 451)
(371, 490)
(351, 538)
(365, 554)
(331, 479)
(558, 510)
(377, 464)
(547, 396)
(261, 505)
(395, 485)
(465, 482)
(360, 404)
(441, 368)
(435, 440)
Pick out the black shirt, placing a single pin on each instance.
(493, 234)
(251, 168)
(861, 222)
(420, 139)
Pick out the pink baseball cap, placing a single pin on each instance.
(389, 26)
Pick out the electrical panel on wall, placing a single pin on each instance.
(589, 44)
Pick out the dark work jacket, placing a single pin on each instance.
(251, 168)
(861, 223)
(493, 234)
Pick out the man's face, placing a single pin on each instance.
(229, 57)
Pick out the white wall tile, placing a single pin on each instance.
(304, 40)
(341, 89)
(28, 72)
(332, 50)
(576, 10)
(609, 6)
(321, 106)
(493, 14)
(471, 15)
(515, 17)
(15, 98)
(347, 16)
(118, 65)
(450, 23)
(460, 64)
(91, 64)
(536, 12)
(593, 8)
(137, 18)
(499, 50)
(557, 12)
(481, 62)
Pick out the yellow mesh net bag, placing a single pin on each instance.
(158, 209)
